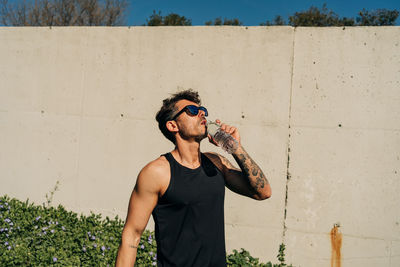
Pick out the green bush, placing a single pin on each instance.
(244, 259)
(34, 235)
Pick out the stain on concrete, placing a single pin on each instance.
(336, 243)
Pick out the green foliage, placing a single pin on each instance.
(147, 251)
(33, 235)
(63, 12)
(113, 13)
(324, 17)
(49, 198)
(379, 17)
(281, 257)
(318, 17)
(244, 259)
(219, 22)
(278, 20)
(173, 19)
(42, 235)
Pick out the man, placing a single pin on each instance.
(185, 189)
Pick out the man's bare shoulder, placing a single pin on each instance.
(154, 177)
(157, 167)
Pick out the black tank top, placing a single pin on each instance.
(189, 217)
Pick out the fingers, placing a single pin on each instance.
(225, 127)
(233, 131)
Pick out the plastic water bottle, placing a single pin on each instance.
(223, 139)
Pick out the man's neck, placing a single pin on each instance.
(187, 154)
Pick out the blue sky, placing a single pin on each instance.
(250, 12)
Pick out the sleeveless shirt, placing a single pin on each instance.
(189, 217)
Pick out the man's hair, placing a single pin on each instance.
(168, 110)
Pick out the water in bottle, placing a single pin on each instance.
(223, 139)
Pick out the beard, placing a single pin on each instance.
(190, 134)
(201, 137)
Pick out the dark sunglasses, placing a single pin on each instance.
(191, 110)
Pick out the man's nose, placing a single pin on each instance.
(202, 114)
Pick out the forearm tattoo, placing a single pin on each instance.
(251, 170)
(132, 246)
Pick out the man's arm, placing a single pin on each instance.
(255, 176)
(250, 180)
(142, 202)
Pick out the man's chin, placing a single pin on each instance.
(201, 137)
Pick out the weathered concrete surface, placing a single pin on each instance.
(78, 104)
(345, 146)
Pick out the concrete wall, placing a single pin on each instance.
(317, 108)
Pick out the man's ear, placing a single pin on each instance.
(172, 126)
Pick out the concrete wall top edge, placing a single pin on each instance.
(148, 28)
(198, 27)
